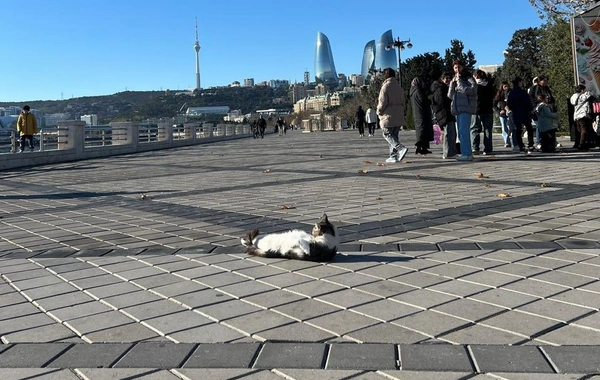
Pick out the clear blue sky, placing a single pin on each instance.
(64, 48)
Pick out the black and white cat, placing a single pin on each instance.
(321, 245)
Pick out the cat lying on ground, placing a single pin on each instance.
(321, 245)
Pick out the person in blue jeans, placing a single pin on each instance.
(500, 108)
(463, 92)
(483, 121)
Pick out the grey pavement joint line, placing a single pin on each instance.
(472, 359)
(549, 360)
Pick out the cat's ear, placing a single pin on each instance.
(324, 219)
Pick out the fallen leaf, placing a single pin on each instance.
(286, 207)
(368, 162)
(418, 176)
(544, 184)
(144, 197)
(504, 195)
(267, 171)
(487, 185)
(363, 171)
(378, 199)
(320, 156)
(380, 164)
(480, 175)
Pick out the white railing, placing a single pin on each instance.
(73, 140)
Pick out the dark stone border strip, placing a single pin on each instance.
(268, 355)
(352, 247)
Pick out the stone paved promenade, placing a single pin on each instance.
(131, 267)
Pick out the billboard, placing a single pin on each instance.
(585, 36)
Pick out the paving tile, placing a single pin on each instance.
(557, 310)
(575, 359)
(80, 310)
(259, 321)
(423, 298)
(97, 355)
(156, 355)
(170, 323)
(39, 374)
(42, 334)
(386, 333)
(126, 373)
(226, 374)
(342, 322)
(210, 333)
(96, 322)
(305, 309)
(295, 332)
(223, 355)
(431, 323)
(386, 310)
(153, 309)
(435, 357)
(311, 374)
(348, 298)
(273, 298)
(30, 355)
(478, 334)
(202, 298)
(133, 332)
(361, 356)
(509, 359)
(504, 298)
(291, 355)
(469, 309)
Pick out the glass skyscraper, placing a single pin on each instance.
(368, 61)
(324, 66)
(385, 58)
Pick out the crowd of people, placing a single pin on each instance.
(463, 105)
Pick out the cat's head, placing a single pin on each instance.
(323, 227)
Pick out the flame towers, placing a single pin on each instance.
(385, 55)
(324, 66)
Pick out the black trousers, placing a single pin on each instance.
(548, 141)
(22, 142)
(372, 128)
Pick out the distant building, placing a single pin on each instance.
(324, 66)
(278, 83)
(234, 116)
(90, 119)
(342, 80)
(235, 84)
(249, 82)
(320, 89)
(306, 78)
(490, 69)
(212, 110)
(357, 80)
(297, 92)
(368, 61)
(385, 54)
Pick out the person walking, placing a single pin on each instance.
(519, 103)
(27, 127)
(547, 124)
(371, 119)
(463, 92)
(390, 109)
(421, 110)
(360, 121)
(484, 115)
(582, 116)
(441, 107)
(540, 87)
(262, 125)
(500, 108)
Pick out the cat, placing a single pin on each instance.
(321, 245)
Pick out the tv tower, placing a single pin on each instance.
(197, 48)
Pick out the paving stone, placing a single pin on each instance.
(133, 332)
(522, 323)
(153, 309)
(97, 322)
(469, 309)
(156, 355)
(386, 333)
(126, 373)
(571, 335)
(202, 298)
(386, 310)
(478, 334)
(42, 334)
(291, 355)
(222, 355)
(295, 332)
(435, 357)
(226, 374)
(97, 355)
(361, 356)
(311, 374)
(575, 359)
(30, 355)
(509, 359)
(38, 374)
(273, 298)
(557, 310)
(423, 298)
(78, 311)
(342, 322)
(178, 288)
(210, 333)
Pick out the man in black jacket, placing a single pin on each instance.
(442, 111)
(484, 118)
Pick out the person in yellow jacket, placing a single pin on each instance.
(27, 127)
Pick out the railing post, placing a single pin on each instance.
(75, 137)
(122, 132)
(190, 131)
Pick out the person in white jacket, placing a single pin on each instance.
(371, 121)
(390, 109)
(582, 116)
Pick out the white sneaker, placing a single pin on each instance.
(402, 153)
(392, 160)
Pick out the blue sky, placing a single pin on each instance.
(60, 49)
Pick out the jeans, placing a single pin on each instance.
(513, 130)
(505, 130)
(463, 121)
(390, 135)
(449, 139)
(22, 142)
(482, 123)
(372, 128)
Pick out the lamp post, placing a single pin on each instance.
(399, 45)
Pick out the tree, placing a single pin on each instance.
(428, 66)
(456, 52)
(556, 48)
(561, 8)
(523, 57)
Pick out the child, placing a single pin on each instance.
(547, 124)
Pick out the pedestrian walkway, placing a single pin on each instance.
(131, 266)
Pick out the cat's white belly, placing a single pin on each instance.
(295, 240)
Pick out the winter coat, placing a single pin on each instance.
(464, 95)
(421, 110)
(500, 104)
(547, 120)
(485, 98)
(581, 102)
(27, 124)
(520, 105)
(441, 104)
(536, 90)
(371, 116)
(390, 106)
(360, 114)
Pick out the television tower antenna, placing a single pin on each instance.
(197, 49)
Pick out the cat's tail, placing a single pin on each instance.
(253, 250)
(247, 240)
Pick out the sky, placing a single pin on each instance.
(53, 50)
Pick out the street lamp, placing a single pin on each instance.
(399, 45)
